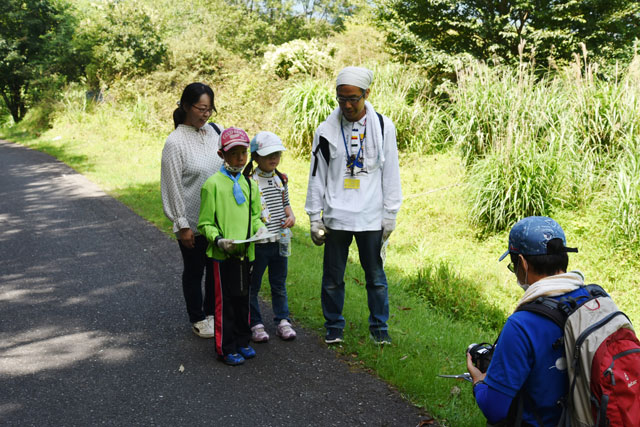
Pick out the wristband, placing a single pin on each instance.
(218, 237)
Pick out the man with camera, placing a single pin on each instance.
(527, 375)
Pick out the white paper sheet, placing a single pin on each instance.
(255, 238)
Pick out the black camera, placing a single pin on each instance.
(481, 355)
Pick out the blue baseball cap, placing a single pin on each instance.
(530, 236)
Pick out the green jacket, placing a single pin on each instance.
(220, 214)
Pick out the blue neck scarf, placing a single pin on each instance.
(237, 191)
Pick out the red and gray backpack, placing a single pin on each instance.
(603, 358)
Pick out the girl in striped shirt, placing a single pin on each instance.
(266, 149)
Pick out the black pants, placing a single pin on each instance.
(231, 310)
(195, 263)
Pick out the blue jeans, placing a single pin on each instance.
(268, 255)
(336, 251)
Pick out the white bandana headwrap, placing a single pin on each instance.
(355, 76)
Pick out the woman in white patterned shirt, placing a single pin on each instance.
(190, 157)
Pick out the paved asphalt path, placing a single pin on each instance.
(93, 329)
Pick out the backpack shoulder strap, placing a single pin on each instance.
(596, 290)
(283, 178)
(322, 148)
(249, 226)
(215, 127)
(548, 307)
(516, 412)
(381, 124)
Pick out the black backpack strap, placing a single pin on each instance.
(322, 148)
(596, 290)
(550, 308)
(516, 412)
(381, 124)
(283, 178)
(215, 127)
(249, 227)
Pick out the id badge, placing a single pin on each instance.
(351, 184)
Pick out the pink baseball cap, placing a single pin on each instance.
(232, 137)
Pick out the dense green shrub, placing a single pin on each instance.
(400, 92)
(299, 57)
(126, 41)
(532, 144)
(624, 204)
(305, 105)
(510, 184)
(492, 108)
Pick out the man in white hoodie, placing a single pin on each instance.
(527, 362)
(354, 191)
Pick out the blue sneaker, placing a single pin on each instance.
(247, 352)
(381, 337)
(233, 359)
(334, 336)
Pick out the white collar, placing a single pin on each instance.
(264, 174)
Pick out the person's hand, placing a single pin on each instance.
(187, 238)
(388, 225)
(226, 245)
(318, 232)
(262, 231)
(475, 373)
(289, 222)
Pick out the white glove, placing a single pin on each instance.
(226, 245)
(388, 225)
(318, 232)
(262, 231)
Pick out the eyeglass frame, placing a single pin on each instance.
(512, 267)
(343, 100)
(204, 109)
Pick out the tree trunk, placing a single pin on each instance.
(14, 102)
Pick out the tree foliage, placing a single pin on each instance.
(298, 19)
(125, 39)
(490, 29)
(36, 44)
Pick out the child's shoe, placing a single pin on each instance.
(285, 331)
(247, 352)
(233, 359)
(258, 334)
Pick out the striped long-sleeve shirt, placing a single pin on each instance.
(274, 196)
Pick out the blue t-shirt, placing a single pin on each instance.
(524, 358)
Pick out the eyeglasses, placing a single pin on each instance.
(512, 267)
(203, 109)
(352, 100)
